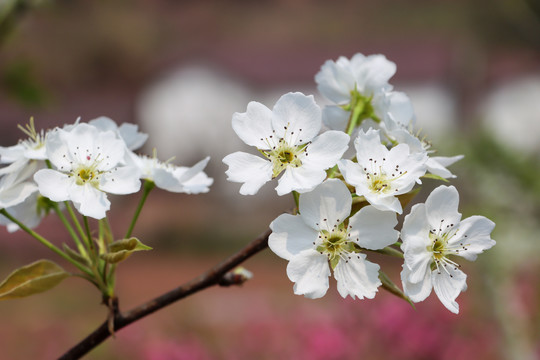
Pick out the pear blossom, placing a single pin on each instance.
(367, 75)
(399, 124)
(358, 85)
(87, 165)
(321, 238)
(432, 234)
(127, 132)
(287, 137)
(178, 179)
(381, 174)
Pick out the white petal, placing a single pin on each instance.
(290, 235)
(301, 179)
(368, 146)
(442, 207)
(296, 118)
(11, 154)
(437, 165)
(165, 179)
(372, 72)
(131, 136)
(415, 223)
(185, 174)
(122, 180)
(417, 259)
(89, 201)
(57, 149)
(53, 184)
(200, 183)
(254, 126)
(327, 205)
(249, 169)
(16, 194)
(26, 212)
(335, 118)
(357, 277)
(89, 146)
(447, 285)
(352, 172)
(474, 233)
(104, 123)
(415, 236)
(417, 291)
(335, 82)
(373, 228)
(382, 202)
(400, 111)
(309, 271)
(326, 150)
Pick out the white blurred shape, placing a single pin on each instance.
(511, 113)
(188, 113)
(435, 109)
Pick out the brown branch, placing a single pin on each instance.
(207, 279)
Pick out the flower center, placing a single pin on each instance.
(335, 244)
(379, 181)
(284, 155)
(441, 249)
(84, 175)
(87, 172)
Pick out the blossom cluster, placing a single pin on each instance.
(82, 163)
(347, 207)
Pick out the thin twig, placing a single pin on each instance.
(205, 280)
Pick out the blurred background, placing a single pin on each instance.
(180, 69)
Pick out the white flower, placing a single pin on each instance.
(321, 238)
(381, 174)
(399, 124)
(287, 137)
(88, 165)
(127, 132)
(432, 233)
(366, 75)
(178, 179)
(358, 86)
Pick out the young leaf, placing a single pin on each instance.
(433, 176)
(37, 277)
(121, 249)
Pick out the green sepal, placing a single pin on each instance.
(44, 205)
(388, 285)
(436, 177)
(31, 279)
(75, 255)
(405, 199)
(334, 261)
(121, 249)
(390, 251)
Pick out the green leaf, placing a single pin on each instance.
(388, 285)
(37, 277)
(120, 250)
(436, 177)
